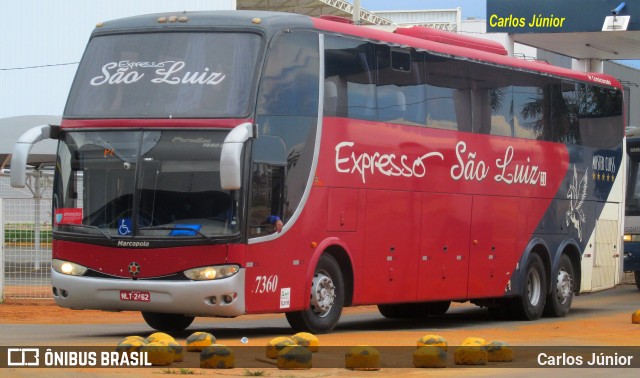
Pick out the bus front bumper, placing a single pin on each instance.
(224, 297)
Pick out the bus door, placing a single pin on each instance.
(282, 155)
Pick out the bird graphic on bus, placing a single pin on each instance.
(576, 195)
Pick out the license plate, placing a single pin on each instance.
(134, 295)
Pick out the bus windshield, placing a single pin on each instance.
(156, 183)
(165, 75)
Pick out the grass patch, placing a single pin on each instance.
(183, 371)
(257, 373)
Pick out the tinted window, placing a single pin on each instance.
(448, 102)
(288, 112)
(566, 107)
(349, 78)
(163, 75)
(417, 88)
(600, 108)
(400, 91)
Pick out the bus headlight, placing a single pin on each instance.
(212, 272)
(66, 267)
(631, 238)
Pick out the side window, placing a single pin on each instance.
(448, 95)
(400, 94)
(600, 109)
(510, 103)
(349, 78)
(565, 110)
(532, 98)
(490, 100)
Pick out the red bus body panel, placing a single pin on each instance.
(465, 217)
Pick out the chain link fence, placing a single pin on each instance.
(25, 236)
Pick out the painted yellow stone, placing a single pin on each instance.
(135, 337)
(197, 341)
(294, 357)
(158, 336)
(158, 354)
(474, 341)
(499, 351)
(176, 348)
(276, 344)
(472, 351)
(362, 358)
(635, 317)
(430, 356)
(130, 345)
(307, 340)
(217, 356)
(433, 340)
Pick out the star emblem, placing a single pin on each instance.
(134, 269)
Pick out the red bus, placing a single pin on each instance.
(244, 162)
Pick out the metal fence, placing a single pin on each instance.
(25, 236)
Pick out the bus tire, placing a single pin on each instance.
(167, 322)
(636, 275)
(561, 296)
(529, 305)
(326, 299)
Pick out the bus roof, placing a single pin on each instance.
(464, 52)
(272, 22)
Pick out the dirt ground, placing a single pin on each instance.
(614, 330)
(587, 325)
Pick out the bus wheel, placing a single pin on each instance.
(326, 301)
(561, 296)
(167, 322)
(530, 303)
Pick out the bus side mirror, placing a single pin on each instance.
(22, 148)
(231, 156)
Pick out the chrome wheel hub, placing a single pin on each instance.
(563, 286)
(323, 294)
(533, 288)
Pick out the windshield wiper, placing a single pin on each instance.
(88, 227)
(177, 228)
